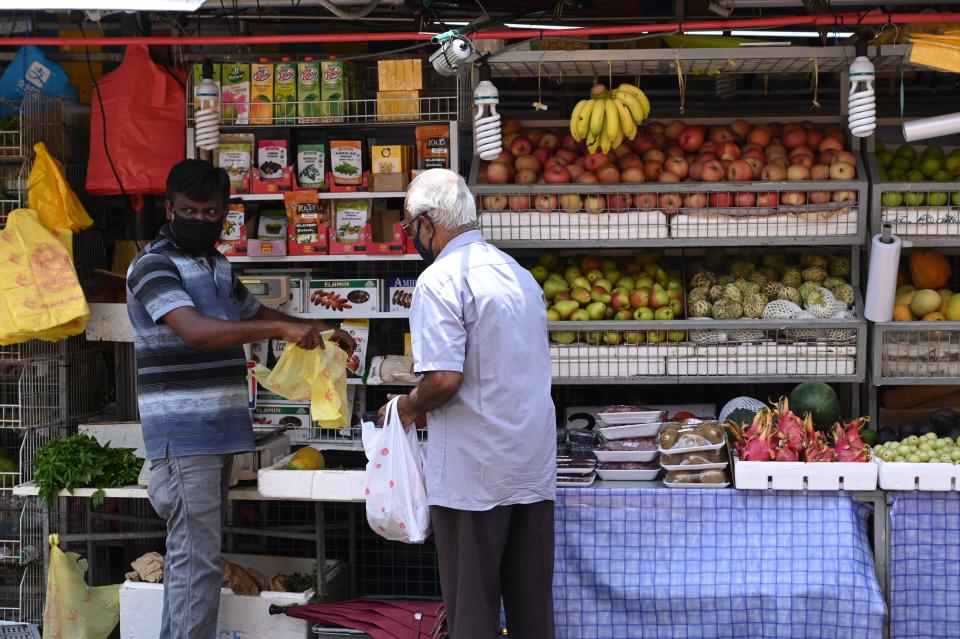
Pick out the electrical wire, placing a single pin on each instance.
(349, 15)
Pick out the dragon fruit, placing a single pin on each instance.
(786, 454)
(847, 443)
(760, 447)
(791, 429)
(820, 450)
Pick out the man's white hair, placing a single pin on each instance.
(444, 196)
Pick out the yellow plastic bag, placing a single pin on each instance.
(75, 610)
(319, 375)
(40, 296)
(49, 194)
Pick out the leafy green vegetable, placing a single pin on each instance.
(300, 582)
(80, 461)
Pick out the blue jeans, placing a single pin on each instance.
(190, 493)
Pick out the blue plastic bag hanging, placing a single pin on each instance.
(31, 72)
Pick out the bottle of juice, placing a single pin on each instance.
(308, 91)
(285, 92)
(261, 93)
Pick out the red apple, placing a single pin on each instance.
(708, 147)
(498, 173)
(668, 177)
(775, 128)
(675, 151)
(535, 135)
(549, 141)
(546, 202)
(645, 201)
(678, 166)
(696, 171)
(775, 149)
(519, 202)
(588, 178)
(794, 138)
(800, 150)
(521, 146)
(756, 166)
(740, 129)
(773, 173)
(728, 151)
(754, 153)
(570, 202)
(705, 157)
(655, 128)
(654, 155)
(842, 171)
(803, 160)
(793, 198)
(818, 197)
(633, 175)
(622, 150)
(575, 170)
(494, 202)
(760, 136)
(691, 139)
(781, 161)
(510, 125)
(814, 138)
(719, 135)
(674, 130)
(568, 143)
(826, 157)
(528, 163)
(508, 139)
(594, 161)
(819, 172)
(669, 202)
(695, 201)
(594, 203)
(830, 142)
(542, 153)
(768, 199)
(608, 174)
(579, 161)
(642, 143)
(798, 172)
(618, 201)
(746, 199)
(721, 200)
(628, 160)
(652, 170)
(555, 174)
(739, 171)
(525, 176)
(713, 171)
(846, 157)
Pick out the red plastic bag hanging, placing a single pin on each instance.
(144, 116)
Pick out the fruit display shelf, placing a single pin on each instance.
(696, 351)
(921, 213)
(919, 353)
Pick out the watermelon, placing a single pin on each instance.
(742, 416)
(820, 401)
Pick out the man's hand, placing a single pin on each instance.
(306, 336)
(405, 410)
(342, 339)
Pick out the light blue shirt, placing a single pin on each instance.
(478, 312)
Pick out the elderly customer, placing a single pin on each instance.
(479, 337)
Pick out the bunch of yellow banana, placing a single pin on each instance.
(608, 117)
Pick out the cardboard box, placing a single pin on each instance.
(391, 158)
(400, 294)
(400, 75)
(386, 234)
(398, 106)
(288, 415)
(389, 182)
(343, 298)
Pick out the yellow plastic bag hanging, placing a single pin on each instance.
(40, 295)
(75, 610)
(49, 194)
(319, 375)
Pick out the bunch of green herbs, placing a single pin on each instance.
(79, 461)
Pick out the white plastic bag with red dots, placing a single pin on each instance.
(396, 487)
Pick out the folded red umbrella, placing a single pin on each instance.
(379, 619)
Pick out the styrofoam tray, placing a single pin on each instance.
(715, 466)
(630, 430)
(923, 477)
(632, 417)
(566, 484)
(702, 486)
(575, 471)
(695, 449)
(804, 475)
(626, 455)
(628, 475)
(320, 485)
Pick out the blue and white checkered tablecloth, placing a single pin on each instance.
(669, 563)
(925, 566)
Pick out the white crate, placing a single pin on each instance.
(141, 604)
(922, 477)
(522, 225)
(804, 475)
(319, 485)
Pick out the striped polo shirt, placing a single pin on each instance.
(192, 402)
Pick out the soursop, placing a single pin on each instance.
(814, 274)
(701, 279)
(727, 309)
(791, 294)
(701, 308)
(716, 292)
(725, 280)
(753, 305)
(715, 259)
(792, 276)
(775, 262)
(732, 293)
(740, 269)
(844, 293)
(759, 278)
(699, 293)
(808, 260)
(840, 267)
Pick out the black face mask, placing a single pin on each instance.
(196, 237)
(426, 252)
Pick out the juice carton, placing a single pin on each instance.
(308, 91)
(333, 90)
(197, 77)
(261, 94)
(235, 94)
(285, 92)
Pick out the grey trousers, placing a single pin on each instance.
(504, 552)
(190, 493)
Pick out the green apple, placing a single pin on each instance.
(942, 176)
(916, 176)
(933, 151)
(903, 164)
(937, 198)
(656, 337)
(955, 198)
(613, 338)
(952, 163)
(891, 198)
(676, 336)
(930, 166)
(676, 307)
(643, 314)
(634, 337)
(884, 158)
(906, 151)
(915, 198)
(664, 313)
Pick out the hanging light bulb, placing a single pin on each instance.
(486, 120)
(207, 116)
(862, 107)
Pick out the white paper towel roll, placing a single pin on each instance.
(882, 278)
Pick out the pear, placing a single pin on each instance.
(566, 308)
(597, 311)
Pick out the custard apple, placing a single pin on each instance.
(814, 274)
(840, 267)
(716, 292)
(770, 273)
(776, 262)
(808, 260)
(715, 259)
(749, 287)
(699, 293)
(753, 305)
(759, 278)
(774, 290)
(701, 279)
(725, 280)
(791, 294)
(831, 283)
(701, 308)
(732, 293)
(806, 289)
(792, 276)
(727, 309)
(844, 293)
(740, 269)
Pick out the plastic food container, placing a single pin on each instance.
(620, 415)
(628, 471)
(697, 479)
(628, 450)
(689, 438)
(575, 481)
(574, 466)
(704, 460)
(630, 430)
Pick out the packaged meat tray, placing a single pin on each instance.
(575, 466)
(630, 430)
(628, 450)
(620, 415)
(628, 471)
(575, 481)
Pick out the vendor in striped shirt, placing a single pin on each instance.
(191, 316)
